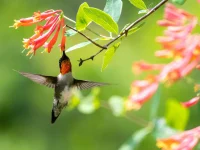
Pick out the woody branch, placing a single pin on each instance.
(125, 32)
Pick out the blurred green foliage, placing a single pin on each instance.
(25, 106)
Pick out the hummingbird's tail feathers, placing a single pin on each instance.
(83, 84)
(48, 81)
(54, 116)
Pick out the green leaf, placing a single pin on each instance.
(109, 54)
(89, 103)
(179, 2)
(75, 100)
(133, 30)
(80, 45)
(116, 104)
(82, 21)
(114, 9)
(135, 139)
(176, 115)
(198, 146)
(162, 130)
(70, 32)
(139, 4)
(102, 19)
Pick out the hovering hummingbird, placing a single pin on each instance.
(62, 84)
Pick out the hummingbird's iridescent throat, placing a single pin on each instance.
(64, 64)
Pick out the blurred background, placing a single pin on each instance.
(25, 107)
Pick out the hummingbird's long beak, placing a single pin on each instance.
(63, 55)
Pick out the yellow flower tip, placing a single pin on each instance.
(167, 144)
(160, 144)
(26, 46)
(46, 49)
(16, 24)
(197, 87)
(30, 52)
(24, 40)
(131, 105)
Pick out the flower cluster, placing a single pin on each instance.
(186, 140)
(179, 44)
(54, 23)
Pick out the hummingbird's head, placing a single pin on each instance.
(64, 64)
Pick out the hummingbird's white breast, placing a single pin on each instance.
(66, 81)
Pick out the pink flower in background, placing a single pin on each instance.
(179, 44)
(141, 91)
(191, 102)
(53, 22)
(140, 66)
(186, 140)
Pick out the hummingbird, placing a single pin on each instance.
(63, 85)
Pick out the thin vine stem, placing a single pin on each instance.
(98, 45)
(125, 32)
(134, 119)
(71, 20)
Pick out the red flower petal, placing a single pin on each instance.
(191, 102)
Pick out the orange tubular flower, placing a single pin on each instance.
(186, 140)
(37, 17)
(23, 22)
(62, 45)
(49, 46)
(179, 44)
(44, 15)
(53, 22)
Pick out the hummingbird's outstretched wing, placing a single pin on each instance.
(48, 81)
(83, 84)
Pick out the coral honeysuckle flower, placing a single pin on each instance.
(37, 17)
(186, 140)
(62, 45)
(174, 16)
(164, 54)
(141, 91)
(140, 66)
(179, 44)
(54, 22)
(40, 41)
(191, 102)
(41, 16)
(24, 22)
(49, 46)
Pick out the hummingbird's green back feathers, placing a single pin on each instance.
(48, 81)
